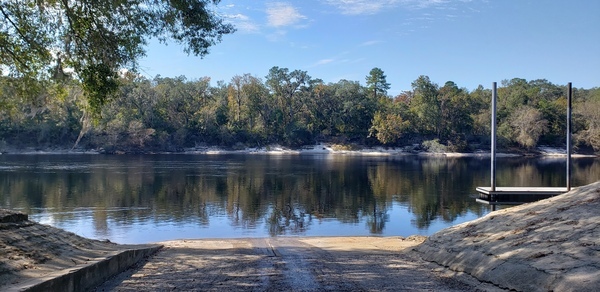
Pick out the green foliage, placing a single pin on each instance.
(480, 103)
(425, 105)
(39, 39)
(288, 89)
(457, 144)
(455, 112)
(99, 83)
(345, 147)
(377, 83)
(289, 108)
(434, 146)
(356, 109)
(554, 112)
(48, 118)
(388, 127)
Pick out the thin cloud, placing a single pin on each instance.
(322, 62)
(359, 60)
(425, 3)
(280, 14)
(368, 7)
(243, 23)
(276, 36)
(370, 43)
(352, 61)
(356, 7)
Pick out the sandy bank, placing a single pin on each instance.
(42, 258)
(552, 244)
(319, 149)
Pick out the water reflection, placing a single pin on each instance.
(159, 197)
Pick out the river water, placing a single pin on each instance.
(149, 198)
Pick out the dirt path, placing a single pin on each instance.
(289, 264)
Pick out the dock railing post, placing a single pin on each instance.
(493, 142)
(569, 150)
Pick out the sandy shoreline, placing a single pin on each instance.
(319, 149)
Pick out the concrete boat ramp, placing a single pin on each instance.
(291, 264)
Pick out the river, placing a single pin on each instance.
(150, 198)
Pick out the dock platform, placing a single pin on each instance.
(516, 195)
(494, 195)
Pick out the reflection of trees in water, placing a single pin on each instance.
(585, 171)
(376, 221)
(432, 188)
(286, 220)
(285, 193)
(100, 218)
(550, 172)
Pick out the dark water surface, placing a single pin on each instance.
(149, 198)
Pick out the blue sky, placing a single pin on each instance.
(470, 42)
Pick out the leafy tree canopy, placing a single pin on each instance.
(376, 82)
(40, 39)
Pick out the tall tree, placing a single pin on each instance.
(325, 109)
(259, 106)
(236, 99)
(425, 105)
(391, 120)
(246, 95)
(377, 83)
(455, 121)
(285, 87)
(480, 110)
(357, 109)
(40, 39)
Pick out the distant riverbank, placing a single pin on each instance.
(312, 149)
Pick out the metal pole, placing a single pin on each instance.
(569, 150)
(493, 146)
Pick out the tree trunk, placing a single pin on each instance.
(85, 127)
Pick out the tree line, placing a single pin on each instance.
(293, 109)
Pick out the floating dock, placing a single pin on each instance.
(494, 195)
(516, 195)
